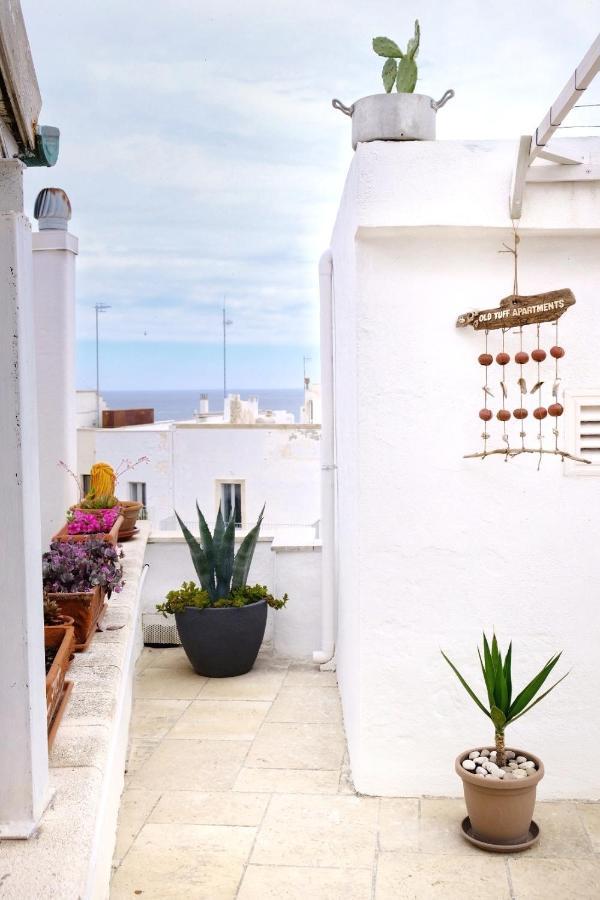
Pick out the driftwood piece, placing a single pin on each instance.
(509, 453)
(516, 310)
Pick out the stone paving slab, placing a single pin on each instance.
(240, 789)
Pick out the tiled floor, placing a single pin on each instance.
(237, 788)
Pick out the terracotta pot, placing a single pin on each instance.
(130, 510)
(111, 536)
(85, 608)
(500, 811)
(57, 688)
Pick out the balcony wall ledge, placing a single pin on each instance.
(70, 856)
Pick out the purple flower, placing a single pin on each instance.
(78, 567)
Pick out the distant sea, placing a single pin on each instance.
(181, 404)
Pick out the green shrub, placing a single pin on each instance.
(190, 595)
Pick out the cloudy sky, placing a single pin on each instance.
(204, 161)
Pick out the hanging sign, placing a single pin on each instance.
(516, 310)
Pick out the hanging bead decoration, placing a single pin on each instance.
(516, 313)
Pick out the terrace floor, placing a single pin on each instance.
(239, 788)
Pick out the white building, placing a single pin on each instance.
(431, 547)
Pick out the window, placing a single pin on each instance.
(231, 500)
(86, 482)
(137, 492)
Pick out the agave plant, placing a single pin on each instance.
(219, 569)
(503, 710)
(404, 72)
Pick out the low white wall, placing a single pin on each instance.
(434, 548)
(295, 570)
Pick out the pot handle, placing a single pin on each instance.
(437, 104)
(347, 110)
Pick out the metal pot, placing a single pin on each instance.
(393, 117)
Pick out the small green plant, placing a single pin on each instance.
(404, 72)
(497, 676)
(189, 594)
(222, 572)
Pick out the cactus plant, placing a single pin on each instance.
(404, 72)
(220, 570)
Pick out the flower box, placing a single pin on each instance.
(110, 536)
(85, 608)
(59, 638)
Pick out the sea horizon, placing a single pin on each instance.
(180, 404)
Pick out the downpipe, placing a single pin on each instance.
(326, 652)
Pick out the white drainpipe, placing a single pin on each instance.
(328, 552)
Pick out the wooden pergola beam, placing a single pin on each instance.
(581, 78)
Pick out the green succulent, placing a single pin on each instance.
(497, 676)
(404, 72)
(222, 572)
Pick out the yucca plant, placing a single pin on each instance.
(503, 710)
(219, 569)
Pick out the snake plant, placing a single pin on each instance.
(497, 676)
(219, 569)
(404, 72)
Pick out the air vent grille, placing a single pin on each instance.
(159, 634)
(589, 432)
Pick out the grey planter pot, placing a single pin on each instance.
(221, 643)
(393, 117)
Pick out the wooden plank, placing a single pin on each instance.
(582, 172)
(581, 78)
(519, 176)
(517, 310)
(20, 90)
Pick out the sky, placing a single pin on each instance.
(204, 161)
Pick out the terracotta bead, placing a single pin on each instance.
(538, 354)
(503, 359)
(521, 357)
(540, 413)
(557, 352)
(556, 409)
(520, 413)
(485, 414)
(486, 359)
(503, 415)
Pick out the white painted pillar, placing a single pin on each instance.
(54, 253)
(23, 742)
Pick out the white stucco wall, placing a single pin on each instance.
(433, 548)
(278, 465)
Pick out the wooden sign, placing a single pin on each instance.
(517, 310)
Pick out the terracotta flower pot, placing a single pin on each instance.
(130, 510)
(500, 811)
(85, 608)
(57, 688)
(111, 536)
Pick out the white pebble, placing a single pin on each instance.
(513, 764)
(521, 759)
(480, 775)
(474, 754)
(485, 752)
(480, 771)
(479, 760)
(469, 765)
(519, 773)
(527, 765)
(509, 754)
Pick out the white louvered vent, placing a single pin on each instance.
(582, 430)
(589, 432)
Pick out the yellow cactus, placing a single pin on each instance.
(102, 481)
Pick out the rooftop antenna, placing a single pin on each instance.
(226, 323)
(100, 308)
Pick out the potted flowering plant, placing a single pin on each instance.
(101, 499)
(77, 577)
(103, 524)
(499, 783)
(221, 624)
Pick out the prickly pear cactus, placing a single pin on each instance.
(404, 72)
